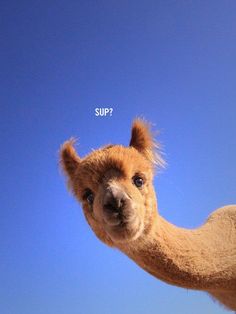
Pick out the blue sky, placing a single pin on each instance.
(172, 62)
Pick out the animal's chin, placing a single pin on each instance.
(124, 231)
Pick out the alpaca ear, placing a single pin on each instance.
(141, 137)
(69, 158)
(143, 141)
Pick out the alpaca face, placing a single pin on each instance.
(115, 192)
(114, 186)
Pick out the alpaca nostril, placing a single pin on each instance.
(110, 208)
(114, 204)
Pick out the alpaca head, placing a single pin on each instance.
(114, 185)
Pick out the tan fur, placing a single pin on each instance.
(202, 258)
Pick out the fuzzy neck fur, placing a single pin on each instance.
(191, 259)
(201, 258)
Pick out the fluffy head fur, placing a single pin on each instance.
(111, 171)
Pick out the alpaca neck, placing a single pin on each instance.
(177, 256)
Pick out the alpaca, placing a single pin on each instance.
(114, 185)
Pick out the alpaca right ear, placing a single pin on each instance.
(143, 140)
(69, 158)
(141, 137)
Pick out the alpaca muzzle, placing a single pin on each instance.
(115, 205)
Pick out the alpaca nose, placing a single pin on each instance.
(113, 202)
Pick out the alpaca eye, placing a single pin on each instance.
(89, 197)
(138, 181)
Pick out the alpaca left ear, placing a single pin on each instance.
(143, 141)
(69, 158)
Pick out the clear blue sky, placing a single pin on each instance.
(173, 62)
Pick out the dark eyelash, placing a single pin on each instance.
(86, 193)
(138, 174)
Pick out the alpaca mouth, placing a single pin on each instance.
(123, 228)
(115, 220)
(120, 216)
